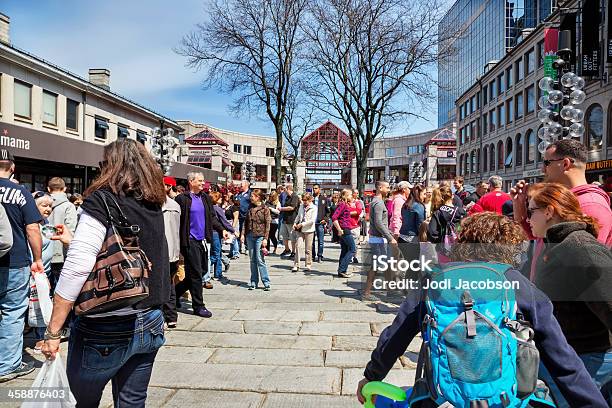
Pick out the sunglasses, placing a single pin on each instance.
(531, 210)
(549, 162)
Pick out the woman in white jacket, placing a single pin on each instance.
(304, 228)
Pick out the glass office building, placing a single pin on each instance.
(486, 30)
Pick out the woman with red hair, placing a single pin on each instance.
(575, 271)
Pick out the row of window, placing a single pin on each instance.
(101, 128)
(522, 67)
(245, 149)
(393, 152)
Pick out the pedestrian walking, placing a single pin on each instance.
(499, 242)
(119, 345)
(343, 222)
(65, 213)
(273, 205)
(574, 271)
(289, 211)
(197, 225)
(413, 215)
(23, 258)
(322, 205)
(427, 203)
(216, 253)
(493, 200)
(380, 235)
(172, 222)
(232, 214)
(335, 201)
(442, 228)
(304, 228)
(6, 233)
(255, 232)
(244, 200)
(357, 213)
(399, 199)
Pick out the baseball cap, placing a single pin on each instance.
(170, 181)
(5, 155)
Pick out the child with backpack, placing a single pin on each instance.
(482, 346)
(442, 229)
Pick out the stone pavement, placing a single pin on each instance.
(303, 344)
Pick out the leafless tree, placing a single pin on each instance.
(372, 63)
(248, 48)
(300, 117)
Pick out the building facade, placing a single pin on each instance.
(479, 32)
(497, 116)
(57, 123)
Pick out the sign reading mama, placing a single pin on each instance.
(13, 142)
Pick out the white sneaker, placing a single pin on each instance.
(295, 269)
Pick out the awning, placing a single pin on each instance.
(122, 131)
(102, 123)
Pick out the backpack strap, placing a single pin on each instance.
(470, 318)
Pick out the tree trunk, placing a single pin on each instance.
(278, 154)
(362, 168)
(294, 164)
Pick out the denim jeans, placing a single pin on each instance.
(319, 237)
(347, 250)
(215, 255)
(258, 263)
(14, 291)
(118, 348)
(234, 249)
(599, 367)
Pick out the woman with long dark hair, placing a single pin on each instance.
(574, 270)
(119, 345)
(255, 232)
(413, 215)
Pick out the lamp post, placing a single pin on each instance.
(163, 144)
(563, 93)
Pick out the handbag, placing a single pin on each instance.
(120, 276)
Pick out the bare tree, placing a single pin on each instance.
(248, 47)
(300, 117)
(372, 61)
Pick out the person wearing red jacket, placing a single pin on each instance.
(492, 201)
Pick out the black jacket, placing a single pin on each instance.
(575, 271)
(436, 230)
(152, 240)
(555, 353)
(211, 222)
(323, 210)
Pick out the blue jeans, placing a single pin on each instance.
(240, 224)
(258, 263)
(319, 237)
(14, 291)
(347, 250)
(599, 367)
(118, 348)
(215, 255)
(234, 247)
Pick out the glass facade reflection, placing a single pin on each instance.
(489, 28)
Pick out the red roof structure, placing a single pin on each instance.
(205, 137)
(327, 149)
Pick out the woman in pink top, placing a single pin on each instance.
(342, 222)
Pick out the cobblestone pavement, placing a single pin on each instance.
(305, 343)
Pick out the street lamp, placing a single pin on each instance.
(163, 144)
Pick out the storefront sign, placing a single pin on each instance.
(599, 165)
(13, 142)
(551, 41)
(533, 173)
(447, 161)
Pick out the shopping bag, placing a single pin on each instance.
(52, 387)
(44, 297)
(35, 317)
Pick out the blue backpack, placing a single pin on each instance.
(476, 353)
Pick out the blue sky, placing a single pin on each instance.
(134, 39)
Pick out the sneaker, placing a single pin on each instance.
(233, 258)
(267, 288)
(285, 253)
(171, 325)
(344, 274)
(24, 369)
(202, 312)
(295, 269)
(252, 286)
(208, 285)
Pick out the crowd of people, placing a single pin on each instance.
(68, 237)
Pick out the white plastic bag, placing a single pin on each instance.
(52, 387)
(44, 298)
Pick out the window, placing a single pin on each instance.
(540, 50)
(473, 106)
(269, 152)
(531, 146)
(485, 161)
(472, 163)
(141, 136)
(500, 155)
(501, 115)
(594, 127)
(508, 160)
(530, 98)
(492, 157)
(474, 131)
(492, 121)
(518, 107)
(509, 77)
(519, 69)
(101, 126)
(485, 124)
(49, 108)
(530, 61)
(609, 132)
(237, 148)
(23, 100)
(484, 95)
(122, 131)
(478, 100)
(500, 84)
(247, 149)
(414, 149)
(509, 111)
(389, 152)
(492, 90)
(72, 115)
(468, 132)
(519, 150)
